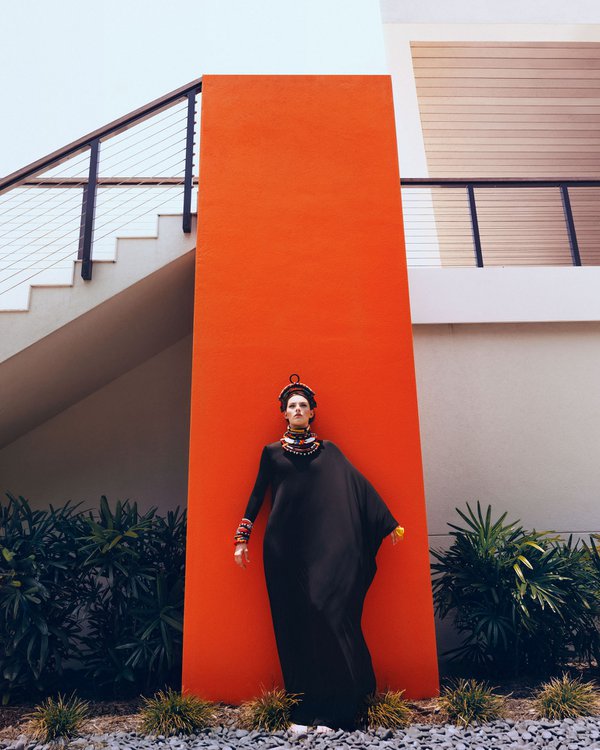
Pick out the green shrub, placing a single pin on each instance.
(40, 583)
(567, 697)
(589, 639)
(520, 599)
(387, 709)
(171, 712)
(133, 597)
(101, 587)
(270, 711)
(466, 701)
(56, 719)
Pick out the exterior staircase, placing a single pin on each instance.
(74, 339)
(88, 315)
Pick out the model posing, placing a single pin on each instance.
(324, 529)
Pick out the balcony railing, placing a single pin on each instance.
(500, 222)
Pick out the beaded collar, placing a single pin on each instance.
(301, 442)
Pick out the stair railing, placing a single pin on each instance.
(27, 221)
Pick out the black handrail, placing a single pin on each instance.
(496, 182)
(26, 176)
(469, 184)
(116, 126)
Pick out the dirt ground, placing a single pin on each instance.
(122, 716)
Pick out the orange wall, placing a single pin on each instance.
(300, 268)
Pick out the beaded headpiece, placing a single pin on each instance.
(295, 386)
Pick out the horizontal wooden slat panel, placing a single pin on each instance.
(560, 119)
(540, 63)
(491, 108)
(502, 50)
(533, 97)
(546, 76)
(514, 144)
(473, 130)
(520, 110)
(507, 45)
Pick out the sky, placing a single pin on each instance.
(70, 67)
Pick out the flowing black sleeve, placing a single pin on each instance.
(377, 523)
(260, 487)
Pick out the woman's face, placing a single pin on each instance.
(298, 412)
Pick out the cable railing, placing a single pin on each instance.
(501, 222)
(70, 204)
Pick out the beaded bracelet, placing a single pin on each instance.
(242, 534)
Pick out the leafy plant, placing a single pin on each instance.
(466, 701)
(60, 718)
(102, 588)
(521, 599)
(39, 583)
(134, 599)
(388, 709)
(171, 712)
(591, 635)
(270, 711)
(567, 697)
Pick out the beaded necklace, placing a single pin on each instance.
(301, 442)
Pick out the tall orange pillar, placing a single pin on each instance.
(300, 268)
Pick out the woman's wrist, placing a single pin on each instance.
(243, 531)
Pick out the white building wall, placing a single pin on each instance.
(126, 440)
(510, 416)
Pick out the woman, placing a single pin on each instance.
(324, 529)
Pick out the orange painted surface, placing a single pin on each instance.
(300, 268)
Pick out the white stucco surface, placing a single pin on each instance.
(510, 416)
(504, 294)
(129, 439)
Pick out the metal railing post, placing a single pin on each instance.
(189, 163)
(573, 244)
(475, 227)
(88, 211)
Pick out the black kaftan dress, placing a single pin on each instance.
(324, 529)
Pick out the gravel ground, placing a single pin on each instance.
(110, 717)
(582, 734)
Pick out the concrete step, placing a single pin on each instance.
(76, 338)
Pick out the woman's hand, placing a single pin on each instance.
(240, 555)
(397, 534)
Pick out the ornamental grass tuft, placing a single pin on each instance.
(567, 698)
(388, 710)
(466, 701)
(58, 719)
(270, 711)
(170, 712)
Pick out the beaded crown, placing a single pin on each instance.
(292, 387)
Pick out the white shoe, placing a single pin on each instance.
(322, 729)
(298, 728)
